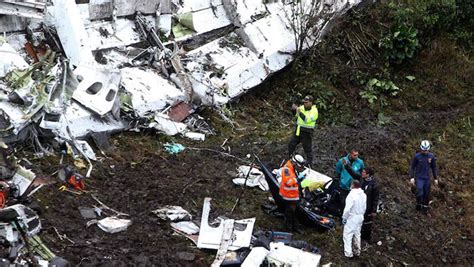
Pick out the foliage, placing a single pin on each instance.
(434, 17)
(376, 89)
(400, 44)
(428, 16)
(417, 22)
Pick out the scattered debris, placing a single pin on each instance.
(88, 213)
(173, 148)
(111, 224)
(173, 213)
(255, 177)
(256, 257)
(283, 255)
(186, 227)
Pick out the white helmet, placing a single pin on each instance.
(425, 145)
(298, 159)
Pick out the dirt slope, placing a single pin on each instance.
(138, 176)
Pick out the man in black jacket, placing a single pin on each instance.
(372, 191)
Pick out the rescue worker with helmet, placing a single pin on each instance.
(289, 189)
(306, 116)
(421, 165)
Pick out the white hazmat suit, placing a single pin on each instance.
(354, 217)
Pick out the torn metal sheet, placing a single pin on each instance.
(211, 237)
(22, 180)
(80, 123)
(173, 213)
(13, 117)
(72, 33)
(188, 228)
(97, 88)
(226, 240)
(149, 91)
(256, 257)
(282, 255)
(109, 34)
(30, 9)
(10, 59)
(203, 16)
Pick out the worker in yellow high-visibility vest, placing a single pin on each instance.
(306, 116)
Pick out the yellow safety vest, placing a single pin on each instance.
(310, 118)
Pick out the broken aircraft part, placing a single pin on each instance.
(211, 237)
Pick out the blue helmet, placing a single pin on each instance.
(425, 145)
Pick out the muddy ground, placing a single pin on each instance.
(137, 176)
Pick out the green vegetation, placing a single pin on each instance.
(379, 90)
(400, 43)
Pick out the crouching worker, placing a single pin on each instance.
(289, 189)
(352, 218)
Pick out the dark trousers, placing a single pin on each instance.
(290, 215)
(343, 197)
(366, 231)
(306, 139)
(422, 192)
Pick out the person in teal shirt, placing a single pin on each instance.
(345, 179)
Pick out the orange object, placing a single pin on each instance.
(289, 184)
(3, 200)
(77, 182)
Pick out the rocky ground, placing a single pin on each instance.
(137, 176)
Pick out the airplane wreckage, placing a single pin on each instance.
(73, 72)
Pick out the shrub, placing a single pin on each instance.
(400, 43)
(376, 89)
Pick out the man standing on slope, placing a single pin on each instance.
(352, 219)
(420, 175)
(306, 116)
(345, 178)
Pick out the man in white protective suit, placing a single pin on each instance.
(352, 218)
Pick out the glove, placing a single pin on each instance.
(412, 181)
(301, 176)
(436, 182)
(344, 221)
